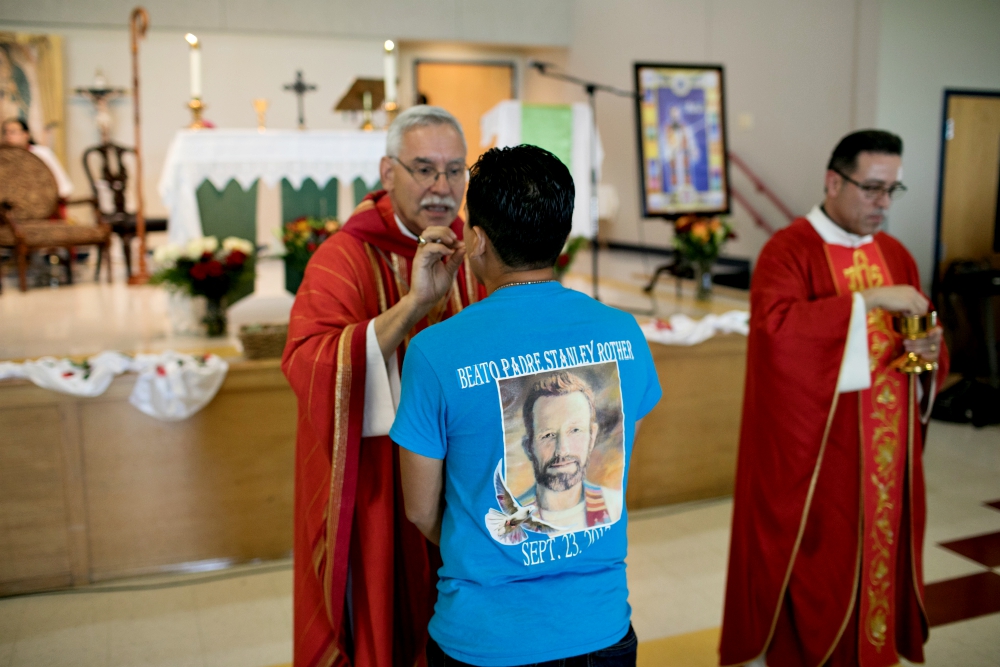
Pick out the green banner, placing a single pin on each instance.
(549, 126)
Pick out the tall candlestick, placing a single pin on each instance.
(389, 72)
(195, 65)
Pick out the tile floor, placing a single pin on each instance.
(677, 560)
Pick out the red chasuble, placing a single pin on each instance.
(829, 507)
(364, 575)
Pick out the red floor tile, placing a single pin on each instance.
(994, 504)
(983, 549)
(962, 598)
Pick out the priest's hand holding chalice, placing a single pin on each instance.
(913, 319)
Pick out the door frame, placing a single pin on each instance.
(500, 62)
(943, 137)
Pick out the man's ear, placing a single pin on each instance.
(475, 242)
(832, 183)
(386, 173)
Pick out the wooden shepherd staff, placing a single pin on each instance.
(138, 23)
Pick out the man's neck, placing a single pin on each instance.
(500, 279)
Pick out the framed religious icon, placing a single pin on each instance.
(681, 122)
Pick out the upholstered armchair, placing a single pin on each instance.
(28, 201)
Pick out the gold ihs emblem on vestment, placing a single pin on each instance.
(861, 275)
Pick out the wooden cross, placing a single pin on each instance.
(300, 88)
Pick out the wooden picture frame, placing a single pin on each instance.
(681, 127)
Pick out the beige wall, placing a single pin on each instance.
(925, 47)
(236, 68)
(801, 75)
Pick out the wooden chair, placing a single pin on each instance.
(28, 199)
(105, 166)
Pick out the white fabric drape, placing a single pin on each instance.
(171, 386)
(682, 330)
(247, 155)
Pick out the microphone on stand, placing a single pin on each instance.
(540, 65)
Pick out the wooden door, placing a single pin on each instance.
(971, 161)
(467, 90)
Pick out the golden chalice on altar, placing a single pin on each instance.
(260, 106)
(914, 327)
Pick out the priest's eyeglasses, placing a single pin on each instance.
(872, 191)
(426, 176)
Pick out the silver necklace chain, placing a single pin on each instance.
(526, 282)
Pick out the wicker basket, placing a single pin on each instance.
(263, 341)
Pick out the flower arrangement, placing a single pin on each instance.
(301, 238)
(698, 242)
(565, 259)
(204, 267)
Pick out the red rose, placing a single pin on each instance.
(199, 271)
(161, 371)
(206, 256)
(214, 268)
(563, 261)
(236, 259)
(311, 247)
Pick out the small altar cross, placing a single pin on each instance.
(300, 88)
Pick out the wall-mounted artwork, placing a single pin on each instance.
(680, 115)
(31, 86)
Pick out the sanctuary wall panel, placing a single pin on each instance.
(92, 489)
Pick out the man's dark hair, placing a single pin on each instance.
(845, 155)
(522, 198)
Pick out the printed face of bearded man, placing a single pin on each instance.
(561, 430)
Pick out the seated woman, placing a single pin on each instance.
(15, 133)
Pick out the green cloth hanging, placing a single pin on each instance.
(549, 126)
(361, 189)
(232, 212)
(309, 201)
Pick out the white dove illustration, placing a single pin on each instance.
(508, 526)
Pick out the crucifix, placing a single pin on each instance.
(300, 88)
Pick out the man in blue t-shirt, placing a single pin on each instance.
(516, 424)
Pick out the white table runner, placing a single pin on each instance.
(247, 155)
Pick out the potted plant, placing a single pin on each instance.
(301, 238)
(698, 242)
(204, 267)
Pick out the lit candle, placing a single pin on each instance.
(389, 67)
(195, 65)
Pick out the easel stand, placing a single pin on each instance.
(591, 89)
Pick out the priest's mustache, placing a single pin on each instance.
(562, 480)
(436, 200)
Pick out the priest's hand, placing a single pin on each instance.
(434, 266)
(929, 348)
(901, 299)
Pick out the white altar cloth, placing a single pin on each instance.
(247, 155)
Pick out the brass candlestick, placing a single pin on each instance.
(196, 107)
(260, 106)
(914, 327)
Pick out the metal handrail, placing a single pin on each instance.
(761, 188)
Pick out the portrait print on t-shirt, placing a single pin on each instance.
(564, 453)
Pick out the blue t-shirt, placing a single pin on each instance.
(531, 397)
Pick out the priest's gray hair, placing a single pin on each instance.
(421, 115)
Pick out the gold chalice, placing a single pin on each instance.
(260, 106)
(914, 327)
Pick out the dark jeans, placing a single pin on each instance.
(621, 654)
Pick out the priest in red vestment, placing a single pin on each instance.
(364, 575)
(829, 509)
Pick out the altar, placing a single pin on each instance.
(246, 156)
